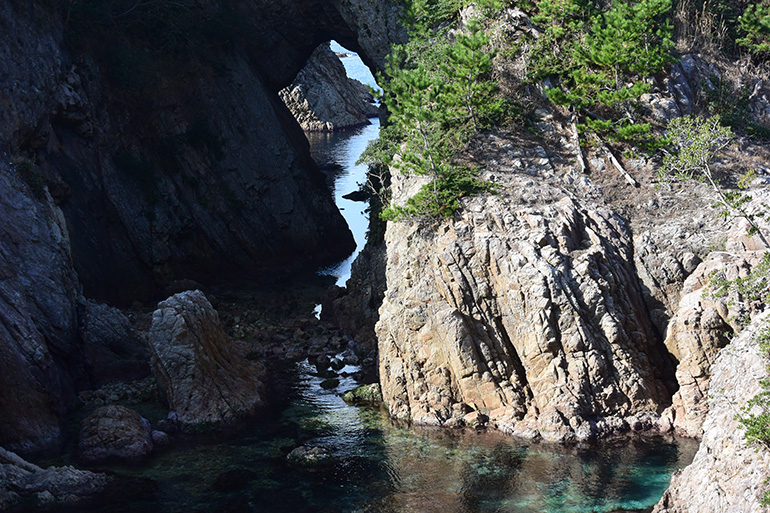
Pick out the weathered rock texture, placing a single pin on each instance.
(166, 172)
(529, 314)
(727, 474)
(699, 329)
(205, 383)
(323, 98)
(40, 354)
(38, 487)
(114, 433)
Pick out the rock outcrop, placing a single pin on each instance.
(113, 350)
(727, 474)
(114, 433)
(166, 172)
(322, 98)
(35, 487)
(135, 173)
(41, 361)
(700, 328)
(205, 383)
(526, 309)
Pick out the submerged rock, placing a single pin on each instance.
(310, 456)
(114, 433)
(364, 394)
(205, 383)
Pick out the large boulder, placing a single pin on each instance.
(114, 433)
(205, 383)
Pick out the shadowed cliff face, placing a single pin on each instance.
(162, 138)
(137, 148)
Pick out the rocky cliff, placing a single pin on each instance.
(166, 171)
(526, 310)
(322, 98)
(143, 148)
(727, 474)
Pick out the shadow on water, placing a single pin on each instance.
(379, 466)
(382, 467)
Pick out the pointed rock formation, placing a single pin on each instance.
(205, 383)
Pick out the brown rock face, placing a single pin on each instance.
(202, 379)
(530, 315)
(699, 329)
(727, 474)
(114, 433)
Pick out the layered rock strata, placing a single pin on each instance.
(204, 382)
(322, 98)
(727, 473)
(525, 309)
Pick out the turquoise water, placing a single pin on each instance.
(382, 467)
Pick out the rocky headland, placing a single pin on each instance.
(566, 305)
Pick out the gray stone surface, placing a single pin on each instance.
(727, 474)
(204, 382)
(322, 98)
(22, 482)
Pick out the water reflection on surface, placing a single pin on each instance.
(337, 153)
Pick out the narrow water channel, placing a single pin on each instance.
(379, 466)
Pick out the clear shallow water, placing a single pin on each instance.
(381, 467)
(339, 151)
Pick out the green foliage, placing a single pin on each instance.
(697, 142)
(754, 418)
(598, 59)
(439, 94)
(439, 198)
(754, 287)
(754, 24)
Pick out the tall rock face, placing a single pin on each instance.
(525, 309)
(40, 354)
(167, 171)
(138, 161)
(323, 98)
(727, 474)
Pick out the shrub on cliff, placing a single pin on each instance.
(439, 93)
(598, 59)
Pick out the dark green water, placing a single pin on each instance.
(380, 467)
